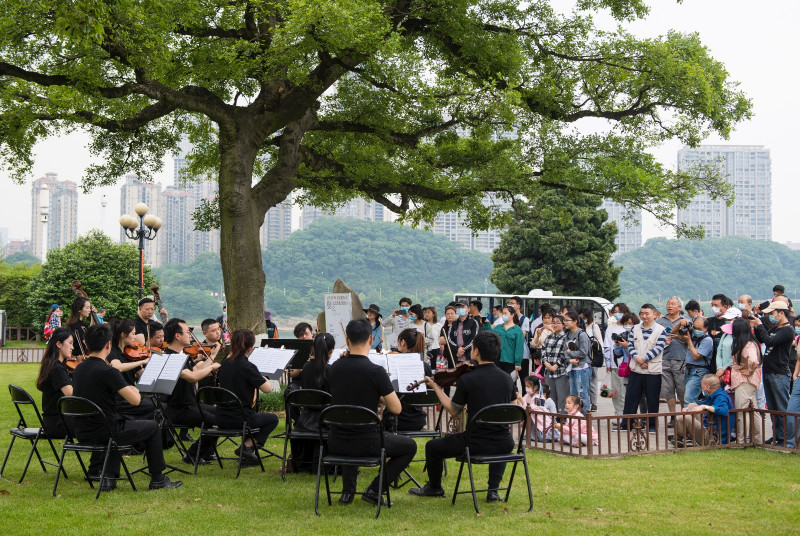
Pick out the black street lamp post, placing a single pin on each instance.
(145, 228)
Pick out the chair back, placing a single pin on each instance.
(225, 401)
(76, 409)
(352, 418)
(499, 414)
(308, 398)
(20, 397)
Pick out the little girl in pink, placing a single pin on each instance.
(575, 431)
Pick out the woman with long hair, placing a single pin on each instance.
(124, 334)
(54, 380)
(578, 348)
(432, 336)
(745, 375)
(411, 342)
(313, 376)
(81, 310)
(375, 319)
(241, 377)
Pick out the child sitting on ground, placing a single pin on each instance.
(537, 398)
(575, 431)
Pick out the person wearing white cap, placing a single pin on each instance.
(723, 358)
(776, 373)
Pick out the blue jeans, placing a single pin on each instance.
(692, 379)
(579, 384)
(791, 423)
(776, 387)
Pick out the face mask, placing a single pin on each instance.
(698, 333)
(412, 317)
(741, 306)
(617, 316)
(716, 311)
(628, 328)
(797, 331)
(772, 319)
(404, 309)
(461, 311)
(505, 318)
(693, 317)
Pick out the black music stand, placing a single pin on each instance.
(302, 346)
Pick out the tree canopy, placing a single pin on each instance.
(422, 106)
(14, 282)
(109, 274)
(698, 269)
(560, 243)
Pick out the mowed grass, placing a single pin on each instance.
(716, 492)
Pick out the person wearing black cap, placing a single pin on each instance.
(374, 315)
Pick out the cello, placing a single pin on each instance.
(159, 306)
(79, 292)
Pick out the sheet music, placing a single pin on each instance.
(336, 355)
(407, 369)
(379, 359)
(172, 369)
(268, 361)
(153, 369)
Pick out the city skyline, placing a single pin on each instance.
(751, 61)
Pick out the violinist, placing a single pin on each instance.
(144, 318)
(181, 405)
(482, 387)
(411, 342)
(156, 340)
(124, 337)
(80, 311)
(54, 381)
(213, 335)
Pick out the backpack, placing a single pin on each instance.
(48, 328)
(596, 354)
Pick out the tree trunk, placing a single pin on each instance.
(240, 222)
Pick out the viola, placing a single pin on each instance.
(446, 378)
(136, 352)
(195, 349)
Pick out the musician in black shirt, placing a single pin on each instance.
(124, 335)
(355, 380)
(81, 310)
(54, 381)
(482, 387)
(144, 318)
(181, 404)
(97, 381)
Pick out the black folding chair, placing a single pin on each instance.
(73, 411)
(423, 401)
(225, 400)
(308, 399)
(21, 398)
(350, 416)
(498, 414)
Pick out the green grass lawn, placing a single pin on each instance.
(713, 492)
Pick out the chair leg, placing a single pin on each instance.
(8, 452)
(125, 466)
(55, 453)
(256, 449)
(103, 470)
(381, 471)
(60, 468)
(319, 476)
(28, 461)
(472, 483)
(283, 461)
(35, 449)
(197, 452)
(510, 480)
(528, 483)
(458, 480)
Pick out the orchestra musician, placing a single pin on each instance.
(54, 380)
(411, 342)
(241, 377)
(212, 332)
(144, 318)
(125, 335)
(482, 387)
(95, 380)
(355, 380)
(181, 405)
(156, 339)
(81, 310)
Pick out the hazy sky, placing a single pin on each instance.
(757, 42)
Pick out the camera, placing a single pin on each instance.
(571, 346)
(618, 337)
(683, 331)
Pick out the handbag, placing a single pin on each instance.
(624, 370)
(726, 376)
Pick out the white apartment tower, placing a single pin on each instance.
(56, 202)
(629, 235)
(277, 222)
(453, 225)
(748, 168)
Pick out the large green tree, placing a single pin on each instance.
(408, 102)
(109, 274)
(560, 242)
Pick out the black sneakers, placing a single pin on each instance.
(164, 483)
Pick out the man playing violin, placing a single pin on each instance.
(482, 387)
(100, 383)
(212, 332)
(181, 406)
(147, 308)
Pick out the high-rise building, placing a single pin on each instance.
(453, 225)
(15, 246)
(175, 237)
(358, 208)
(748, 168)
(132, 193)
(277, 222)
(54, 210)
(629, 235)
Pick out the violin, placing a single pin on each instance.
(195, 349)
(76, 288)
(72, 362)
(446, 378)
(136, 352)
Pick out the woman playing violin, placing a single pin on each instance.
(125, 336)
(81, 310)
(412, 342)
(54, 381)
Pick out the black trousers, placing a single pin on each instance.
(190, 417)
(265, 422)
(399, 453)
(647, 384)
(144, 411)
(129, 432)
(437, 450)
(54, 426)
(506, 367)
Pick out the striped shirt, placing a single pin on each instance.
(657, 349)
(553, 353)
